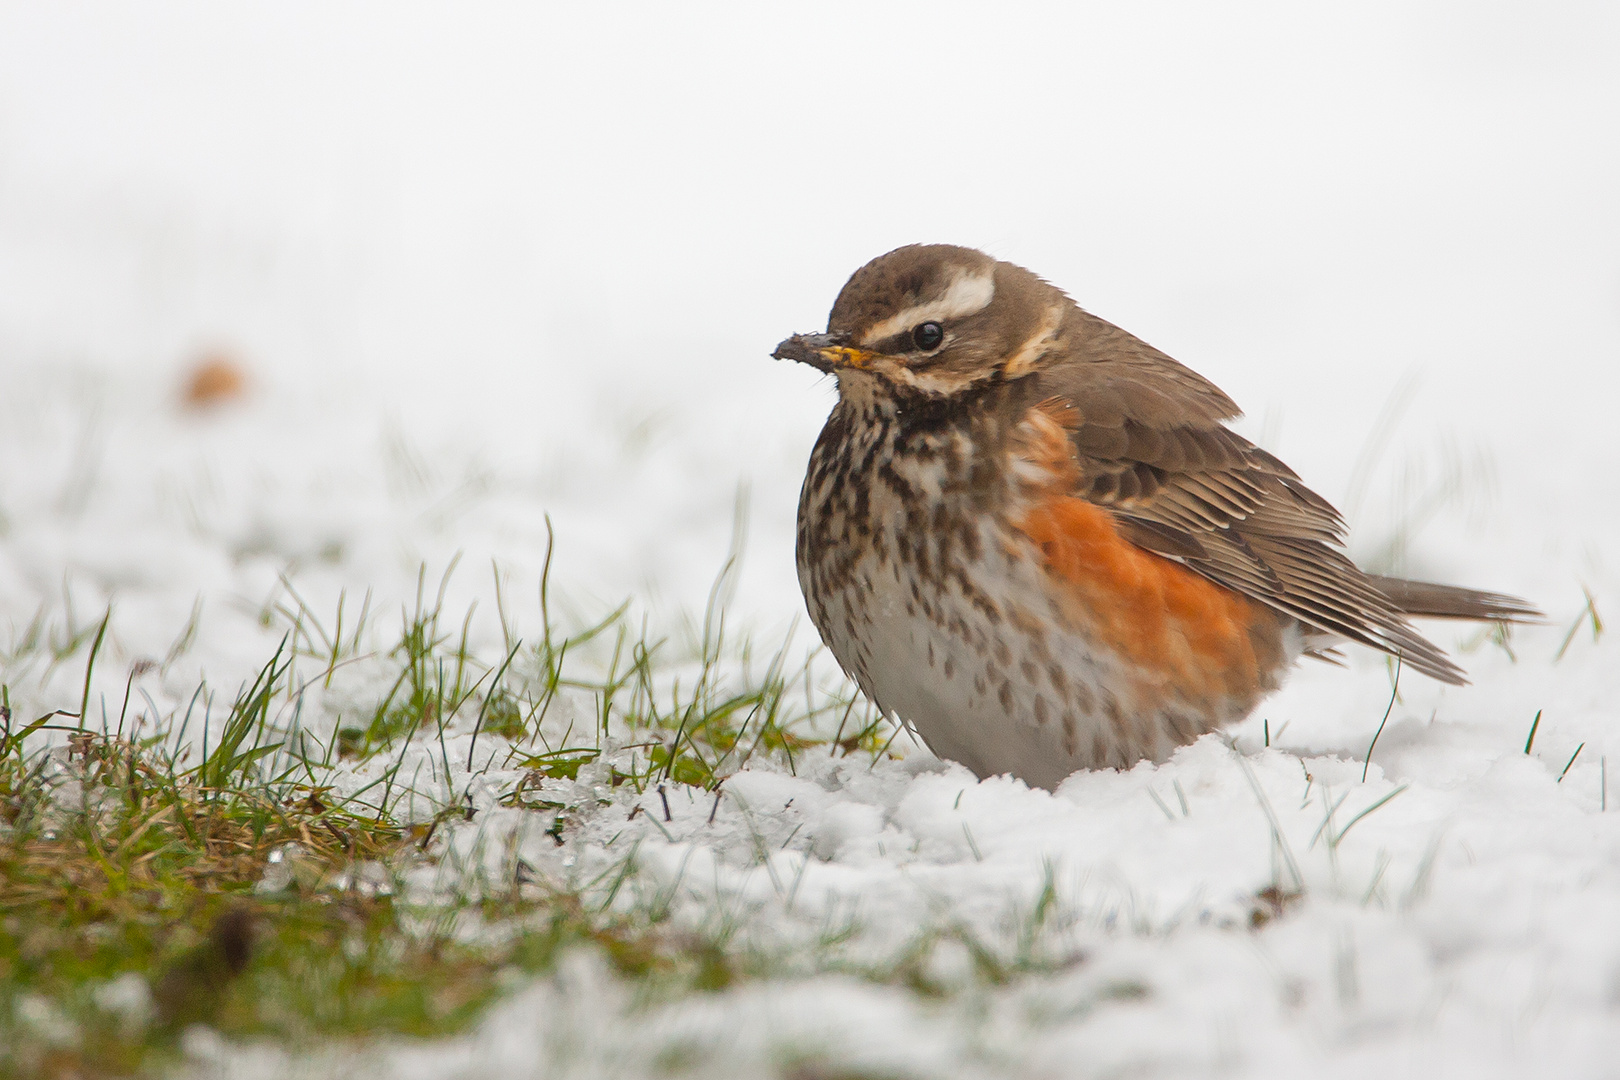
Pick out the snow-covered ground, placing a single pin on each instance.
(488, 264)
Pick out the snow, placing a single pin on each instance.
(505, 262)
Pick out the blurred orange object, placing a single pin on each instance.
(217, 379)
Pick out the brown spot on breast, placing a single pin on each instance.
(1111, 709)
(1033, 630)
(1185, 729)
(968, 536)
(1059, 679)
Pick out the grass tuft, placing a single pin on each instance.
(252, 870)
(1589, 614)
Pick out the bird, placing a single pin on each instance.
(1032, 537)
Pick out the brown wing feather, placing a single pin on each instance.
(1151, 447)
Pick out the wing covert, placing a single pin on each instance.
(1151, 446)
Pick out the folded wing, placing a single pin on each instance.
(1152, 448)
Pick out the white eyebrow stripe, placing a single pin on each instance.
(968, 294)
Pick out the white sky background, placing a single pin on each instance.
(517, 222)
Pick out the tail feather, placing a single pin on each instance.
(1426, 600)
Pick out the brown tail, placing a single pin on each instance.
(1429, 601)
(1426, 600)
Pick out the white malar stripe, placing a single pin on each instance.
(968, 294)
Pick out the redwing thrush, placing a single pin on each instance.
(1029, 535)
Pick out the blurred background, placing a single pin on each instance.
(476, 263)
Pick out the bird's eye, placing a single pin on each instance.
(927, 336)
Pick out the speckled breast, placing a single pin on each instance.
(925, 568)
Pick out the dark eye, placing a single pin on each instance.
(927, 336)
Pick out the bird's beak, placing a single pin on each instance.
(824, 352)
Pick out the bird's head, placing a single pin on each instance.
(938, 320)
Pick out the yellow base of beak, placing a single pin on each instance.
(838, 356)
